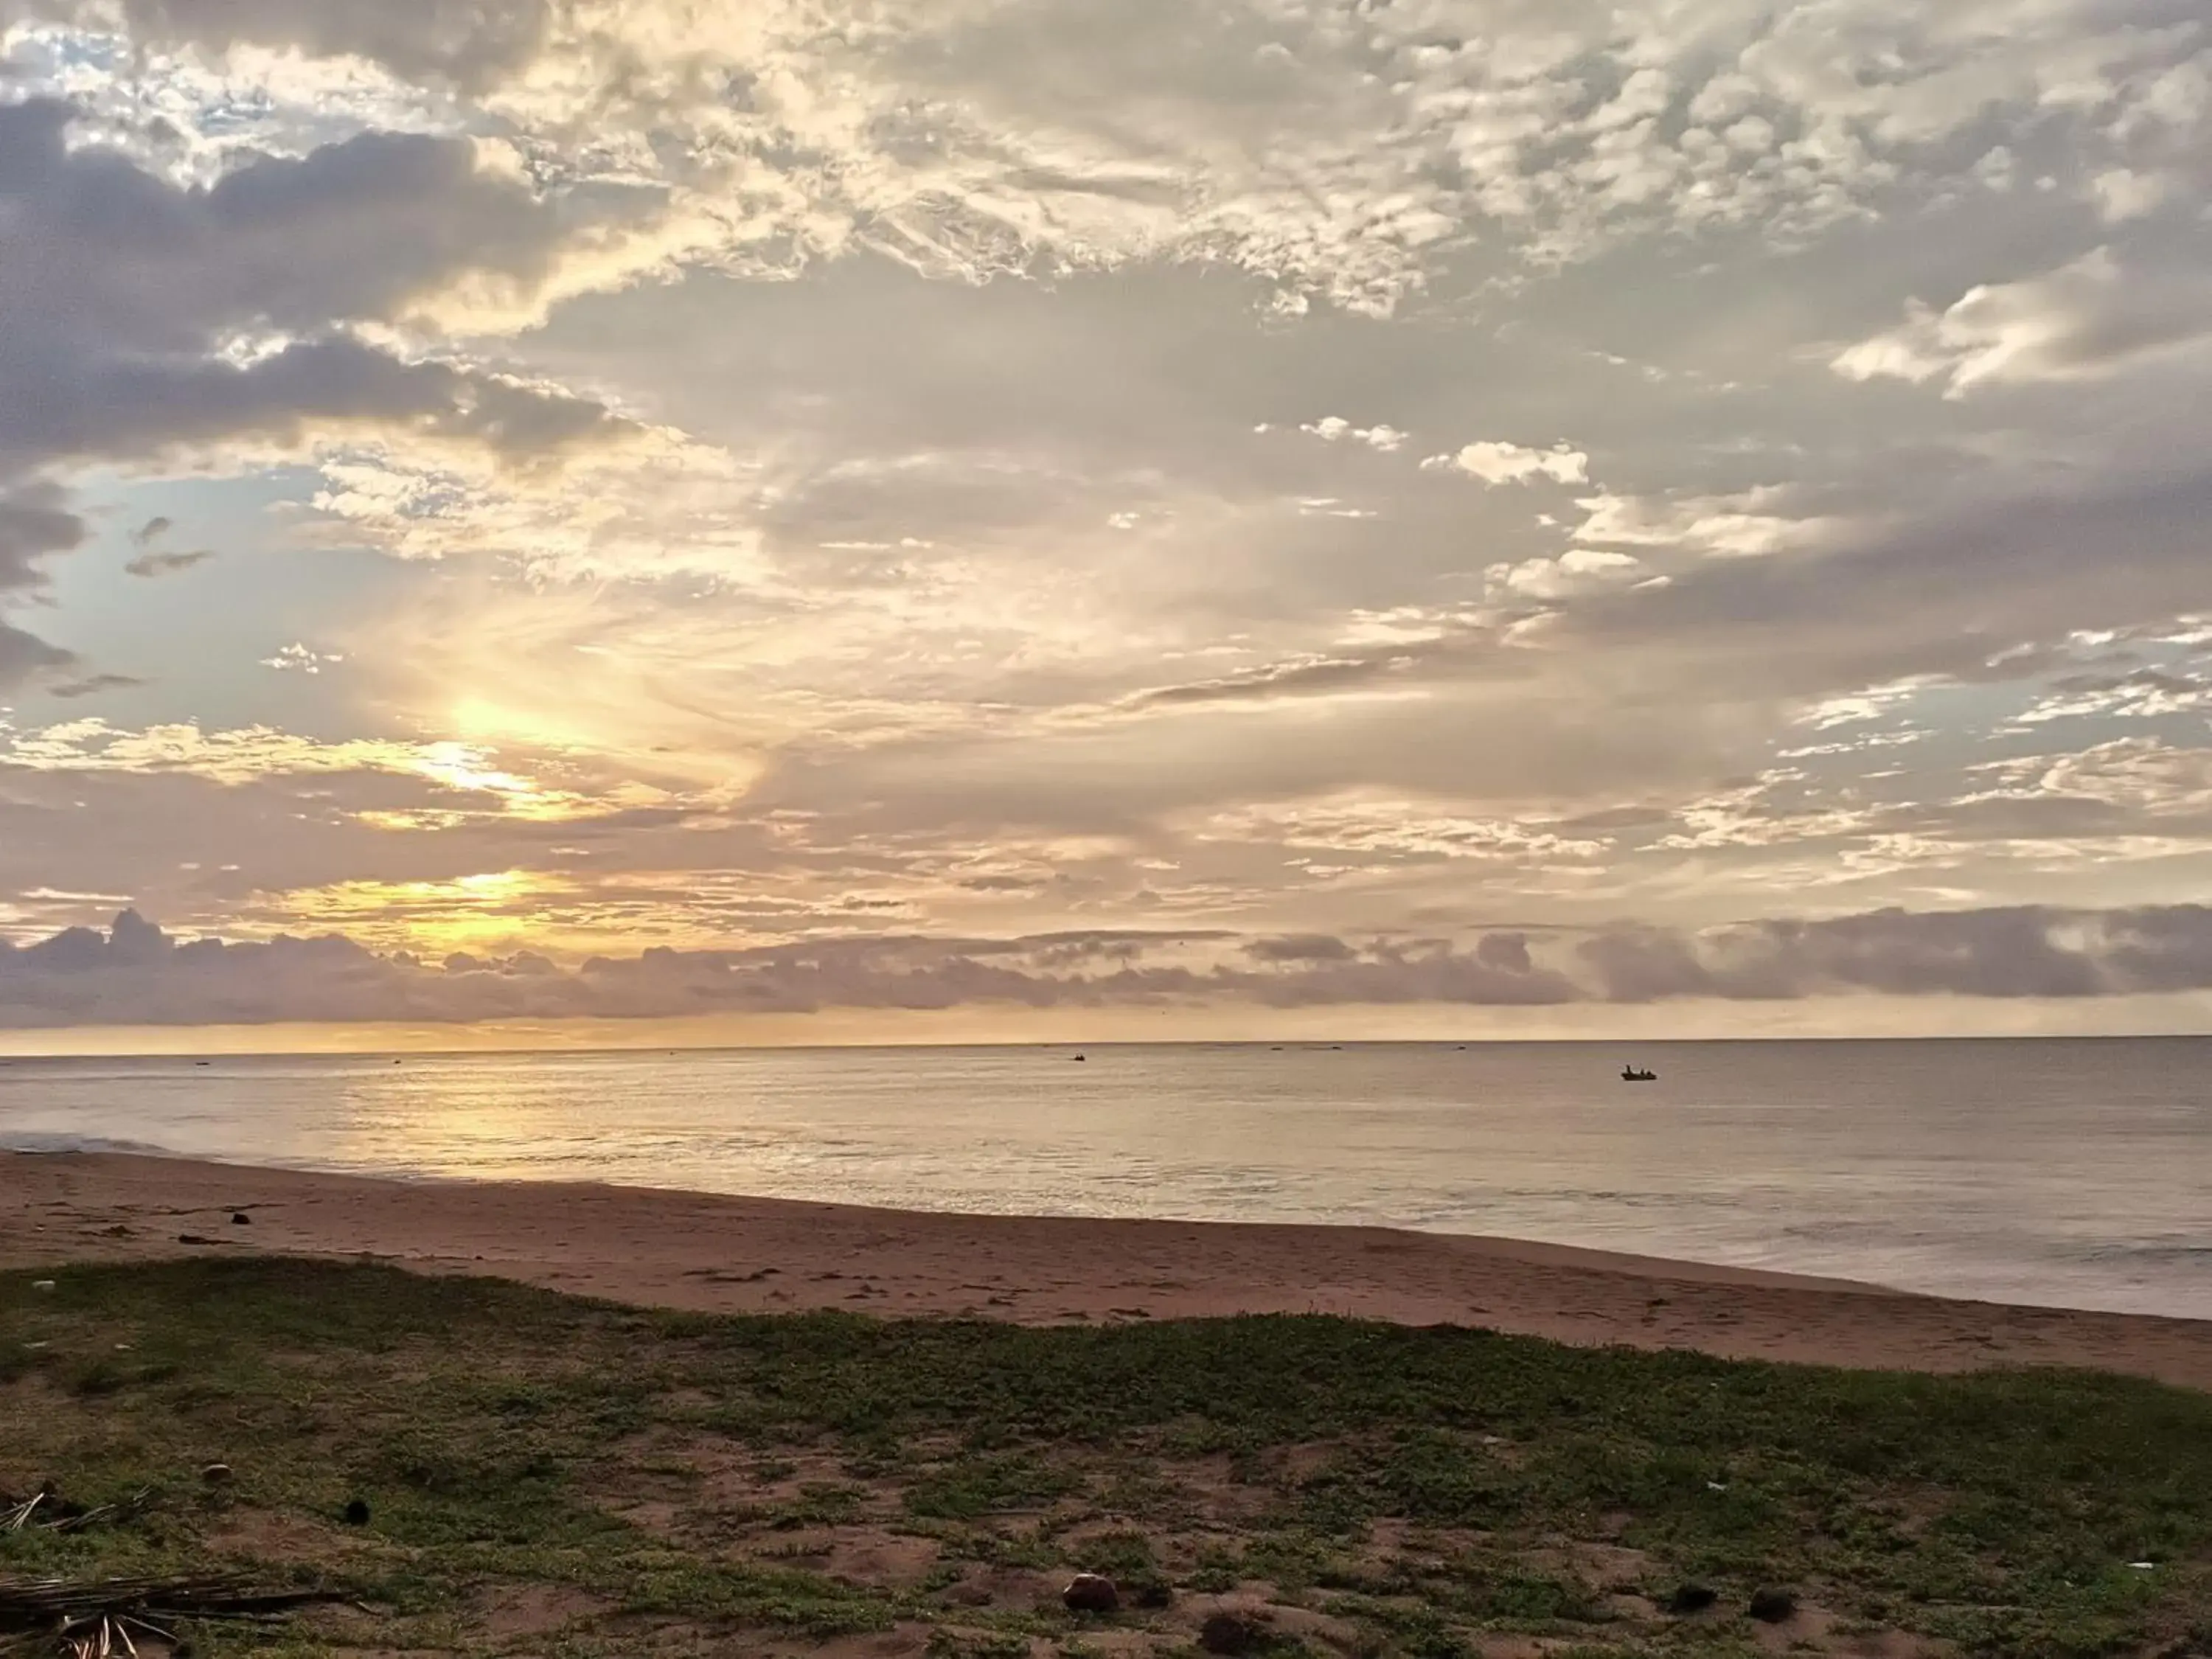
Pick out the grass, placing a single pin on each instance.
(550, 1475)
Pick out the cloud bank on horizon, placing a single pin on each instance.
(611, 508)
(134, 973)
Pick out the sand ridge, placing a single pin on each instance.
(703, 1252)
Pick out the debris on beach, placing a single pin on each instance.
(84, 1618)
(47, 1510)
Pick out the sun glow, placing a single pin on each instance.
(494, 910)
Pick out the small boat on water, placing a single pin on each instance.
(1637, 1074)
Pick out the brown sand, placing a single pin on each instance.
(744, 1255)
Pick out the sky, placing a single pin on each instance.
(832, 520)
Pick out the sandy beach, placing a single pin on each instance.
(703, 1252)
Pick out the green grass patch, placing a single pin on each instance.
(655, 1474)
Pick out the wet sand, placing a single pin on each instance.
(699, 1251)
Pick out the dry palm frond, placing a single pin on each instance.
(45, 1509)
(122, 1509)
(82, 1618)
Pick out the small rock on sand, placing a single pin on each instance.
(1229, 1632)
(1089, 1592)
(1772, 1606)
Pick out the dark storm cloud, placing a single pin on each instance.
(135, 973)
(124, 291)
(124, 406)
(34, 527)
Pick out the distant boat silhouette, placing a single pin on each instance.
(1631, 1074)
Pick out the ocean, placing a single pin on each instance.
(2061, 1172)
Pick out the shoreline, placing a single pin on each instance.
(703, 1252)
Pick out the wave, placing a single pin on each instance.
(2176, 1255)
(26, 1140)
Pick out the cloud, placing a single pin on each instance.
(92, 685)
(1394, 828)
(1301, 948)
(149, 565)
(2005, 953)
(34, 526)
(1342, 158)
(467, 41)
(1307, 677)
(23, 656)
(1578, 570)
(143, 320)
(142, 315)
(815, 447)
(2135, 694)
(2122, 195)
(2085, 320)
(1506, 462)
(136, 974)
(1334, 428)
(297, 658)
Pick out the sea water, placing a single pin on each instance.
(2066, 1172)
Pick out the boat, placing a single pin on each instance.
(1636, 1075)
